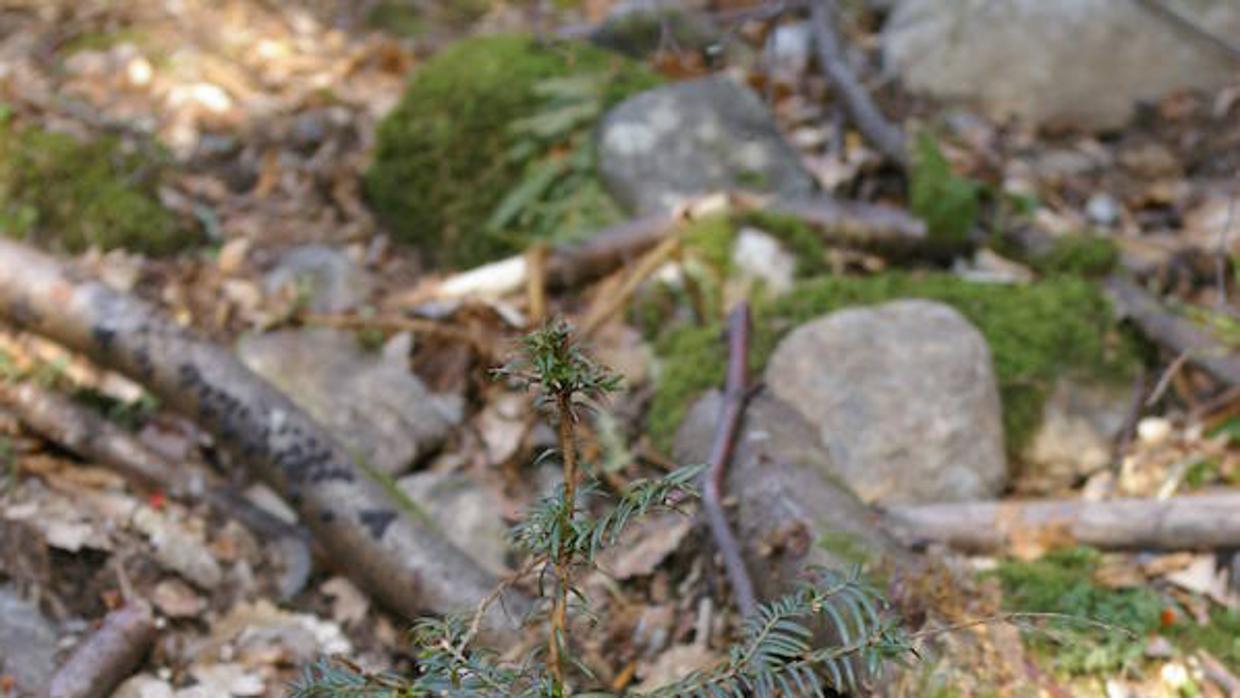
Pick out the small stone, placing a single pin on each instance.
(328, 279)
(1080, 422)
(1153, 430)
(904, 397)
(373, 404)
(667, 145)
(27, 643)
(469, 515)
(1102, 209)
(760, 257)
(176, 599)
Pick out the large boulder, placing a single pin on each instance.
(370, 402)
(792, 510)
(668, 144)
(903, 396)
(1059, 62)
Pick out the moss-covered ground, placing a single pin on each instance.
(461, 143)
(66, 194)
(1036, 332)
(1104, 629)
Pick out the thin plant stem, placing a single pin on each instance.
(563, 563)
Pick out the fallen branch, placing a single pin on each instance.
(871, 227)
(735, 395)
(92, 437)
(1181, 336)
(402, 560)
(865, 115)
(109, 656)
(1200, 521)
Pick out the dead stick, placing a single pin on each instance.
(90, 436)
(1169, 330)
(402, 560)
(109, 656)
(865, 115)
(613, 302)
(735, 395)
(1198, 521)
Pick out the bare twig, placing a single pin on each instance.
(1186, 24)
(1219, 674)
(108, 656)
(536, 283)
(1175, 333)
(613, 302)
(736, 394)
(885, 136)
(402, 560)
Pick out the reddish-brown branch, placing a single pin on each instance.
(736, 393)
(108, 656)
(882, 134)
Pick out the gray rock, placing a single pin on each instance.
(370, 402)
(1080, 423)
(468, 514)
(658, 148)
(27, 643)
(332, 282)
(793, 511)
(1060, 62)
(903, 396)
(641, 27)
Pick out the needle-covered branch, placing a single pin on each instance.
(402, 560)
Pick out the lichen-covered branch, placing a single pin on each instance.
(403, 561)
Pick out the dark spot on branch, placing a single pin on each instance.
(377, 521)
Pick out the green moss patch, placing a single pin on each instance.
(1063, 583)
(490, 146)
(62, 193)
(1036, 333)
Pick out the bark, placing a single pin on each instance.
(402, 560)
(1186, 522)
(1179, 335)
(735, 395)
(108, 656)
(885, 136)
(90, 436)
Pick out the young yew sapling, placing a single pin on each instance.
(777, 653)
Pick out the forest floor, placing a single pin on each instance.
(268, 112)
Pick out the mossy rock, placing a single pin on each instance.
(65, 194)
(444, 158)
(1036, 333)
